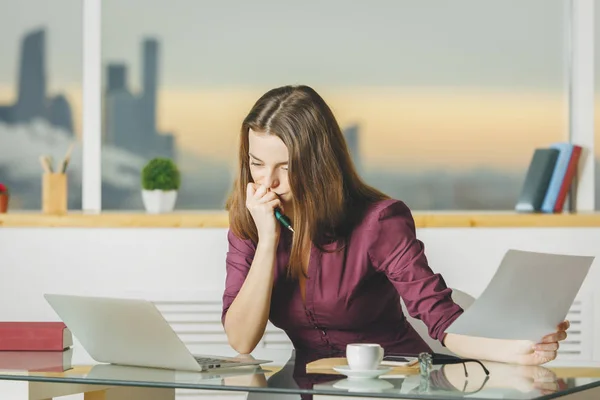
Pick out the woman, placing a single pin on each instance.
(339, 277)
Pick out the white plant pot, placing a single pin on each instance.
(159, 201)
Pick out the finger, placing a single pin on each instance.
(260, 192)
(274, 203)
(545, 378)
(546, 346)
(249, 192)
(546, 387)
(542, 374)
(554, 337)
(545, 355)
(267, 197)
(281, 203)
(563, 326)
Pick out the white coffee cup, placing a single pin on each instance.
(364, 356)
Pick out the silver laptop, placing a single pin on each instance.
(132, 332)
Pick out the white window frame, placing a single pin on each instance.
(91, 185)
(580, 37)
(581, 97)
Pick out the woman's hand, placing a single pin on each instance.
(522, 352)
(262, 203)
(544, 351)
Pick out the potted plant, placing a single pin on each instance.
(3, 198)
(160, 182)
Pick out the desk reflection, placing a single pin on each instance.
(111, 372)
(524, 379)
(511, 381)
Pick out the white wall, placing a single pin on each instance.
(189, 263)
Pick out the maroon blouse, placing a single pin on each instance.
(353, 295)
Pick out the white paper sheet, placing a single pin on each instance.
(528, 296)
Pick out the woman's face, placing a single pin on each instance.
(268, 157)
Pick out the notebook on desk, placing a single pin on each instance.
(132, 332)
(325, 366)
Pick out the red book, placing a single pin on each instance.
(568, 179)
(34, 336)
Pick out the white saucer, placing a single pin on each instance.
(361, 374)
(363, 385)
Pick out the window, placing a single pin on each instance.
(442, 103)
(40, 95)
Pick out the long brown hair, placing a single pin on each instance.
(328, 196)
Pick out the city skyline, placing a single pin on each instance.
(32, 99)
(204, 95)
(130, 118)
(514, 124)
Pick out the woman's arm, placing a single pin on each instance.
(250, 272)
(247, 316)
(522, 352)
(395, 250)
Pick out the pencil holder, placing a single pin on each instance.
(3, 202)
(54, 193)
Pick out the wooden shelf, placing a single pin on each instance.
(208, 219)
(219, 219)
(504, 220)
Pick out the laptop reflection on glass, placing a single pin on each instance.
(132, 332)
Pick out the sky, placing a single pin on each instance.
(463, 83)
(332, 42)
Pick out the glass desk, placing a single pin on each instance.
(287, 378)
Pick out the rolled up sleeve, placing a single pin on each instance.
(395, 250)
(238, 261)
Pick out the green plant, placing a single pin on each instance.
(162, 174)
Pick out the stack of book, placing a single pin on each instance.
(35, 346)
(551, 176)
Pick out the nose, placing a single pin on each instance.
(271, 181)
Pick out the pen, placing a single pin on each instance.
(283, 219)
(67, 159)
